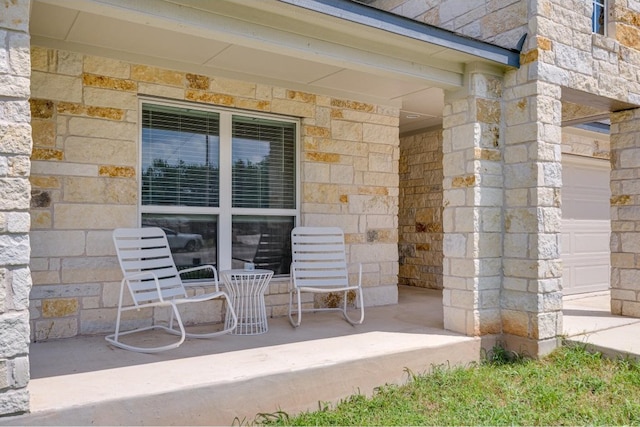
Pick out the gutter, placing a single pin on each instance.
(366, 15)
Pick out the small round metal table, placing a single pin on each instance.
(246, 290)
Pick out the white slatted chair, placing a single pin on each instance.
(153, 280)
(319, 265)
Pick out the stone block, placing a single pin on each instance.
(349, 131)
(455, 319)
(19, 371)
(14, 193)
(57, 169)
(59, 307)
(14, 401)
(14, 334)
(107, 129)
(5, 380)
(94, 216)
(56, 87)
(631, 308)
(454, 245)
(341, 174)
(17, 222)
(235, 87)
(379, 252)
(630, 242)
(100, 243)
(463, 299)
(90, 269)
(45, 277)
(20, 287)
(100, 190)
(292, 108)
(515, 323)
(14, 249)
(57, 243)
(378, 133)
(55, 328)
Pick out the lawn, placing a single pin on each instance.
(571, 386)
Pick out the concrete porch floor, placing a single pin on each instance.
(83, 380)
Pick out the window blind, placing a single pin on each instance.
(263, 170)
(180, 156)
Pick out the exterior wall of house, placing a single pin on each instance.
(15, 148)
(561, 62)
(420, 210)
(85, 179)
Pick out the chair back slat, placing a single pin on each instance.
(318, 257)
(146, 250)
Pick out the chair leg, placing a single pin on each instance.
(114, 339)
(228, 327)
(361, 304)
(295, 323)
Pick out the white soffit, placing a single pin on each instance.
(266, 41)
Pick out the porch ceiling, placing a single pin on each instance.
(266, 41)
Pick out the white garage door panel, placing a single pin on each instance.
(585, 255)
(585, 224)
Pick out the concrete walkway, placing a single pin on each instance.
(229, 379)
(587, 319)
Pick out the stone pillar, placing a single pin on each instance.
(531, 298)
(15, 149)
(625, 213)
(473, 194)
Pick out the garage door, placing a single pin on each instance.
(585, 224)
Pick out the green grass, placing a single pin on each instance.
(569, 387)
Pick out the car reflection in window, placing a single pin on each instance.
(183, 241)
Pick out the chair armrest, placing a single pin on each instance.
(140, 275)
(198, 268)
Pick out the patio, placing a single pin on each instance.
(83, 380)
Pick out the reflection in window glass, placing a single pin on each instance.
(192, 238)
(264, 241)
(263, 156)
(180, 156)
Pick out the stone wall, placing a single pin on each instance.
(499, 22)
(420, 217)
(565, 52)
(85, 178)
(15, 147)
(625, 213)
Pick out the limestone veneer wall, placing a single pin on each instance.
(420, 217)
(85, 179)
(420, 212)
(15, 147)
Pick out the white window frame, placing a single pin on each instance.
(224, 211)
(594, 27)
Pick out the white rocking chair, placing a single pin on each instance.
(154, 281)
(319, 265)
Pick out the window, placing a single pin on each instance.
(222, 184)
(599, 17)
